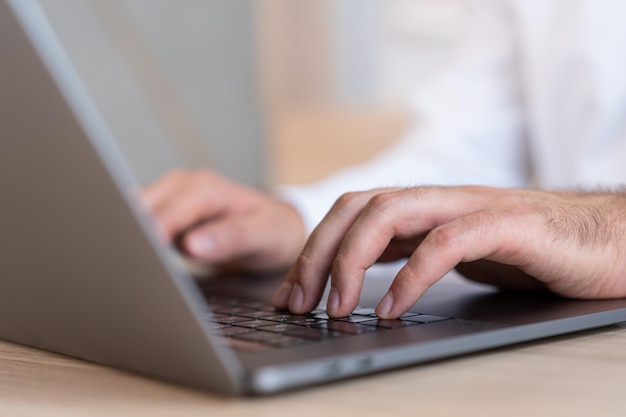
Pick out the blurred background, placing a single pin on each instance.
(264, 91)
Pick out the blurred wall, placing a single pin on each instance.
(185, 83)
(337, 75)
(175, 80)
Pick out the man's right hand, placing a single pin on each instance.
(218, 221)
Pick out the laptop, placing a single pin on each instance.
(83, 273)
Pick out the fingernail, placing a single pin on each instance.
(385, 305)
(297, 297)
(201, 246)
(281, 296)
(333, 301)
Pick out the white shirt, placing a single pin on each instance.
(535, 96)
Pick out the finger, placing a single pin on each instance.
(226, 239)
(244, 241)
(405, 214)
(305, 282)
(199, 198)
(155, 193)
(482, 235)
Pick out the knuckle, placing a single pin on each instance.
(303, 262)
(443, 237)
(427, 191)
(383, 202)
(347, 200)
(341, 263)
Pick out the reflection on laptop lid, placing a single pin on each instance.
(81, 272)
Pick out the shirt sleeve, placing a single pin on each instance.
(467, 127)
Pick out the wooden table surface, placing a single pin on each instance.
(575, 375)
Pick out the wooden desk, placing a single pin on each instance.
(575, 375)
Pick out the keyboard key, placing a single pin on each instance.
(281, 317)
(257, 314)
(427, 318)
(253, 324)
(354, 319)
(304, 321)
(322, 316)
(364, 311)
(390, 324)
(256, 325)
(280, 328)
(217, 326)
(346, 327)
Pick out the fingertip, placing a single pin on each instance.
(201, 246)
(280, 300)
(385, 306)
(334, 302)
(296, 298)
(337, 306)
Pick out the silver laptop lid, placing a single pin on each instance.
(80, 270)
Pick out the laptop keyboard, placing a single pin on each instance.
(253, 325)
